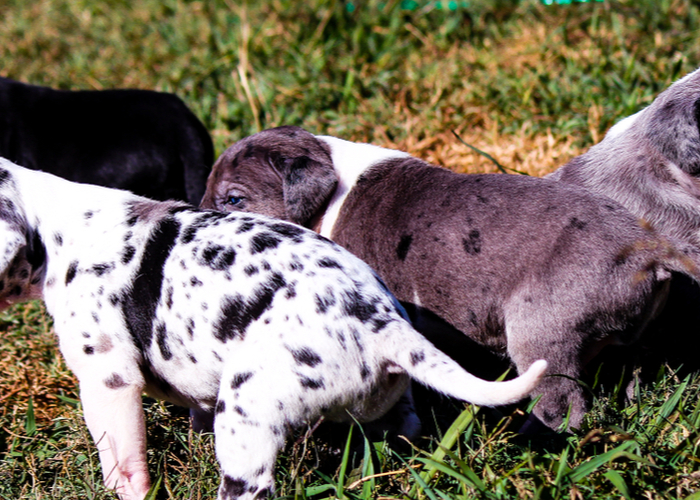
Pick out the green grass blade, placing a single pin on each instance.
(30, 422)
(423, 485)
(472, 479)
(448, 441)
(317, 490)
(670, 405)
(367, 471)
(562, 469)
(616, 479)
(467, 471)
(340, 487)
(592, 465)
(153, 490)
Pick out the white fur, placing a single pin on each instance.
(206, 310)
(350, 160)
(622, 126)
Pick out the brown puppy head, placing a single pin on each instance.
(283, 172)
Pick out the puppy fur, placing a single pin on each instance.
(650, 163)
(529, 267)
(263, 323)
(143, 141)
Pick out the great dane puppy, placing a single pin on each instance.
(263, 323)
(529, 267)
(650, 163)
(143, 141)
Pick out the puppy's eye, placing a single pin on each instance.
(233, 200)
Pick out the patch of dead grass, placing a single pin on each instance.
(32, 367)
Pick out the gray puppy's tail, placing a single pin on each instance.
(430, 366)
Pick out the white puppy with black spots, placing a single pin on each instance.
(241, 315)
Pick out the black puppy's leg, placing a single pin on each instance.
(401, 421)
(202, 421)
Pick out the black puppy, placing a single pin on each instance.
(144, 141)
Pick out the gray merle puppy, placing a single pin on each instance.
(261, 322)
(530, 268)
(650, 163)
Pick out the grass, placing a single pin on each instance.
(528, 84)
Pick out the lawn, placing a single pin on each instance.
(532, 85)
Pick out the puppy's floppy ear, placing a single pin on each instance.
(307, 184)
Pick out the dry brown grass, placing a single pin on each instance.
(32, 367)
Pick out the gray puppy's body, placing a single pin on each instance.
(650, 163)
(529, 267)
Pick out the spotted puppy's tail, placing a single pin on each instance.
(430, 366)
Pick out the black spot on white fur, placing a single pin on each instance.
(140, 300)
(162, 340)
(238, 312)
(71, 272)
(313, 384)
(204, 220)
(217, 257)
(220, 406)
(289, 231)
(325, 302)
(354, 304)
(417, 357)
(103, 268)
(328, 263)
(306, 356)
(232, 488)
(245, 227)
(5, 176)
(239, 379)
(115, 381)
(263, 241)
(127, 254)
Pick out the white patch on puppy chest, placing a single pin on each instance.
(350, 160)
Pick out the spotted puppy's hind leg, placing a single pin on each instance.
(255, 410)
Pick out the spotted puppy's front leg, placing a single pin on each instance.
(114, 415)
(111, 385)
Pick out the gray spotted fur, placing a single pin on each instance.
(650, 163)
(529, 267)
